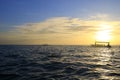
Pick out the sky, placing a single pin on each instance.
(59, 22)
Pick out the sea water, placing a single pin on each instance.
(52, 62)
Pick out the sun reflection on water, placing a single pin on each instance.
(106, 61)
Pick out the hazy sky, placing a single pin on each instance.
(59, 21)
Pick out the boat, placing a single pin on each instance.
(45, 45)
(101, 44)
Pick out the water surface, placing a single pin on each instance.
(59, 63)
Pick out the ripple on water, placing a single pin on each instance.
(59, 63)
(113, 74)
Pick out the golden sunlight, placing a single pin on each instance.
(103, 36)
(104, 33)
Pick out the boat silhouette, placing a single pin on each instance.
(101, 44)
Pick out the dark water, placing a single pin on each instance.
(59, 63)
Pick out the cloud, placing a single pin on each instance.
(63, 26)
(59, 29)
(100, 16)
(56, 25)
(53, 25)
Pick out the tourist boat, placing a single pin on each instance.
(101, 44)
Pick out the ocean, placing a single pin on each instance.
(58, 62)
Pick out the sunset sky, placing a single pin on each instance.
(65, 22)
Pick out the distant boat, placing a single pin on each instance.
(101, 44)
(45, 45)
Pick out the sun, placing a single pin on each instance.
(103, 33)
(103, 36)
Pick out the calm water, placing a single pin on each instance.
(59, 63)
